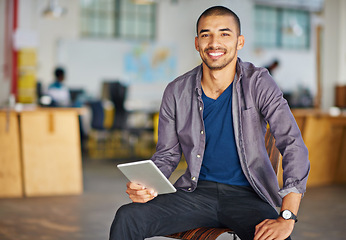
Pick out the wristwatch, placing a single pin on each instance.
(287, 214)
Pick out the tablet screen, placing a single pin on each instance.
(147, 174)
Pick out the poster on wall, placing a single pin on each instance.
(150, 63)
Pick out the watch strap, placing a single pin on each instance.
(293, 216)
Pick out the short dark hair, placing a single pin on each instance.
(59, 72)
(219, 11)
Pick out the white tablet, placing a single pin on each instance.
(147, 174)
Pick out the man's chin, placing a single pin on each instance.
(216, 67)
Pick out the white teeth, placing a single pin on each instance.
(215, 54)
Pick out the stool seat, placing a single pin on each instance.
(204, 233)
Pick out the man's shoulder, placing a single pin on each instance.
(189, 78)
(253, 75)
(190, 74)
(249, 68)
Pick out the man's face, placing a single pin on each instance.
(218, 41)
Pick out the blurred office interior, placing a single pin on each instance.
(58, 176)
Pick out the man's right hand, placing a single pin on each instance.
(139, 193)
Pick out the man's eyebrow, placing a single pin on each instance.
(225, 29)
(204, 30)
(221, 30)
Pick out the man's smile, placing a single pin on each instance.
(215, 53)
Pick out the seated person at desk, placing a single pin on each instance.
(216, 115)
(59, 93)
(272, 66)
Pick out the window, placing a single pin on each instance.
(136, 21)
(285, 28)
(98, 18)
(117, 18)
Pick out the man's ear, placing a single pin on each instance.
(241, 42)
(196, 44)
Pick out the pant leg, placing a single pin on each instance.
(166, 214)
(241, 209)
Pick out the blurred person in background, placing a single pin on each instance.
(59, 93)
(272, 66)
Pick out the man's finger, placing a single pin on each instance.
(141, 199)
(137, 192)
(259, 226)
(133, 185)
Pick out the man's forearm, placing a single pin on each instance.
(279, 228)
(291, 202)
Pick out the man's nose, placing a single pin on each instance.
(214, 42)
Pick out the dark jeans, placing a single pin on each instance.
(210, 205)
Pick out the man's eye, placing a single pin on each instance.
(204, 35)
(225, 34)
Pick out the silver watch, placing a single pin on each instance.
(287, 214)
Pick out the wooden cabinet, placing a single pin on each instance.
(50, 153)
(11, 181)
(325, 138)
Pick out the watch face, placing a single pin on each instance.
(286, 214)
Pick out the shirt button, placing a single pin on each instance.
(198, 155)
(193, 178)
(202, 132)
(189, 189)
(200, 108)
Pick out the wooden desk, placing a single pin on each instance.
(325, 137)
(49, 153)
(10, 164)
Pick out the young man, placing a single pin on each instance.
(216, 115)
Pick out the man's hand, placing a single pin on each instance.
(278, 229)
(139, 193)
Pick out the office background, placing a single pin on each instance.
(58, 176)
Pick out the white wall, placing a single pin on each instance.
(4, 81)
(90, 62)
(48, 31)
(334, 50)
(342, 45)
(175, 25)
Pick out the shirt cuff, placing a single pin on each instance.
(284, 192)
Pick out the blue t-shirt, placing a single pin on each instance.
(221, 161)
(56, 84)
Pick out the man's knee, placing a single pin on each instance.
(129, 213)
(128, 223)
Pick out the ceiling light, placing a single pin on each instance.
(53, 10)
(143, 2)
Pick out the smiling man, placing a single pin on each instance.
(216, 115)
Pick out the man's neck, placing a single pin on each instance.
(215, 82)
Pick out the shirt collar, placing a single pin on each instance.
(199, 69)
(198, 84)
(239, 72)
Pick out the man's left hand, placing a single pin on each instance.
(278, 229)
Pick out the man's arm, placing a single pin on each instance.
(168, 151)
(295, 157)
(276, 111)
(279, 228)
